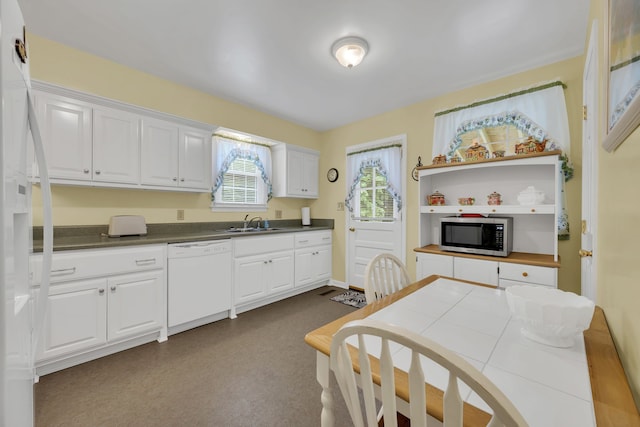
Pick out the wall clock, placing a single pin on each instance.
(332, 175)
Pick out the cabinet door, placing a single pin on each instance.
(295, 173)
(476, 270)
(66, 134)
(322, 263)
(195, 159)
(428, 264)
(279, 272)
(75, 320)
(135, 303)
(249, 280)
(159, 153)
(310, 175)
(116, 148)
(304, 267)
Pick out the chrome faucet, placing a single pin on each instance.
(245, 223)
(259, 218)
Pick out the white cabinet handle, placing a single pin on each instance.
(97, 172)
(101, 291)
(113, 289)
(303, 241)
(85, 170)
(181, 179)
(175, 178)
(145, 261)
(63, 272)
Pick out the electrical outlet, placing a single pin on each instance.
(340, 206)
(278, 214)
(180, 216)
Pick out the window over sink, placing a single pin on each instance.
(241, 172)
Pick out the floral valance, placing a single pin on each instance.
(387, 159)
(226, 151)
(540, 111)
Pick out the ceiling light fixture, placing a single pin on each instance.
(350, 51)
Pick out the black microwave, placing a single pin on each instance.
(477, 235)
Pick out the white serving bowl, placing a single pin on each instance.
(550, 316)
(530, 196)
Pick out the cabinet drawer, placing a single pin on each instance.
(312, 238)
(261, 245)
(528, 274)
(73, 265)
(505, 283)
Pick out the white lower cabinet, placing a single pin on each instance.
(428, 264)
(76, 318)
(263, 265)
(476, 270)
(498, 273)
(99, 298)
(135, 304)
(313, 257)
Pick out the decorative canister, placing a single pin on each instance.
(435, 199)
(494, 199)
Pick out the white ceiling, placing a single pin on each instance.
(274, 55)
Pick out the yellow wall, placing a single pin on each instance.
(618, 271)
(61, 65)
(416, 121)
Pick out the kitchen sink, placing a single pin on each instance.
(249, 229)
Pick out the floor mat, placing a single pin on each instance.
(352, 298)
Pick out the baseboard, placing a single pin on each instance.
(338, 284)
(356, 288)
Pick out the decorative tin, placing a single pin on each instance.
(494, 199)
(435, 199)
(440, 160)
(466, 201)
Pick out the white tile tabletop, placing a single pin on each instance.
(549, 385)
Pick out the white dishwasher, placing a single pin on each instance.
(199, 282)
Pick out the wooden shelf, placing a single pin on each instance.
(490, 209)
(540, 260)
(499, 159)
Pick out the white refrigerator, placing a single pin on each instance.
(22, 310)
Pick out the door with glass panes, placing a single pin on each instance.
(375, 199)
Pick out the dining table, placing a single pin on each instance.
(583, 385)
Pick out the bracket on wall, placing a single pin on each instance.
(414, 172)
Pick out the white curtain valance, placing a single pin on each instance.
(387, 159)
(227, 150)
(542, 110)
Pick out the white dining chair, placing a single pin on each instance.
(384, 275)
(504, 412)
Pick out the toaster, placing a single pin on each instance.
(127, 225)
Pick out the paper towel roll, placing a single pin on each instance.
(306, 216)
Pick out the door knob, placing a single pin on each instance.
(352, 229)
(584, 253)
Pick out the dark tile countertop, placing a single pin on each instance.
(95, 236)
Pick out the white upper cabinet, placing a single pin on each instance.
(195, 159)
(66, 130)
(295, 171)
(91, 140)
(116, 151)
(175, 156)
(159, 148)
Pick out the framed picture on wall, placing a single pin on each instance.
(623, 94)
